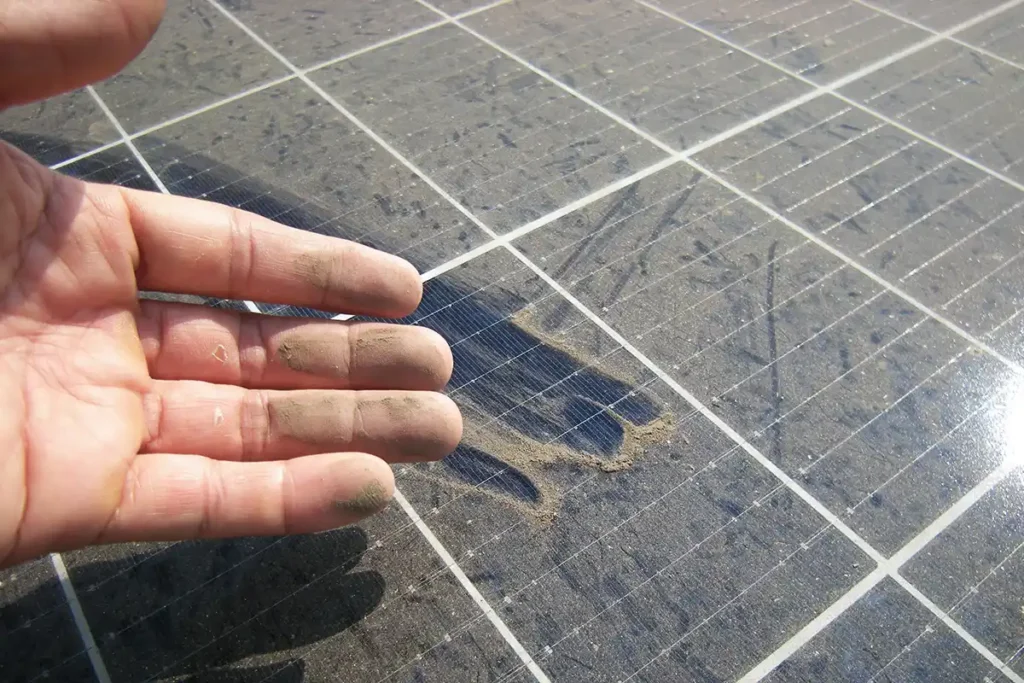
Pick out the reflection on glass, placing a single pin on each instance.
(1013, 424)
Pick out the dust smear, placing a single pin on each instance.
(503, 462)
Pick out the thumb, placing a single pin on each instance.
(51, 46)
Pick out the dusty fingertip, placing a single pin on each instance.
(372, 498)
(369, 490)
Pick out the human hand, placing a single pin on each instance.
(129, 420)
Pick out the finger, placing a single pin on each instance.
(268, 352)
(52, 46)
(190, 246)
(176, 497)
(231, 423)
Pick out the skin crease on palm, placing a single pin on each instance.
(128, 420)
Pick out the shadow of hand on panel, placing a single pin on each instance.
(196, 611)
(290, 671)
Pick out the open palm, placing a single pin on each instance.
(123, 419)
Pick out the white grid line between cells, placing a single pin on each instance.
(99, 668)
(960, 602)
(891, 569)
(980, 49)
(831, 89)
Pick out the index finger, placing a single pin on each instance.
(191, 246)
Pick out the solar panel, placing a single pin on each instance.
(733, 292)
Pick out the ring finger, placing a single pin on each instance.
(232, 423)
